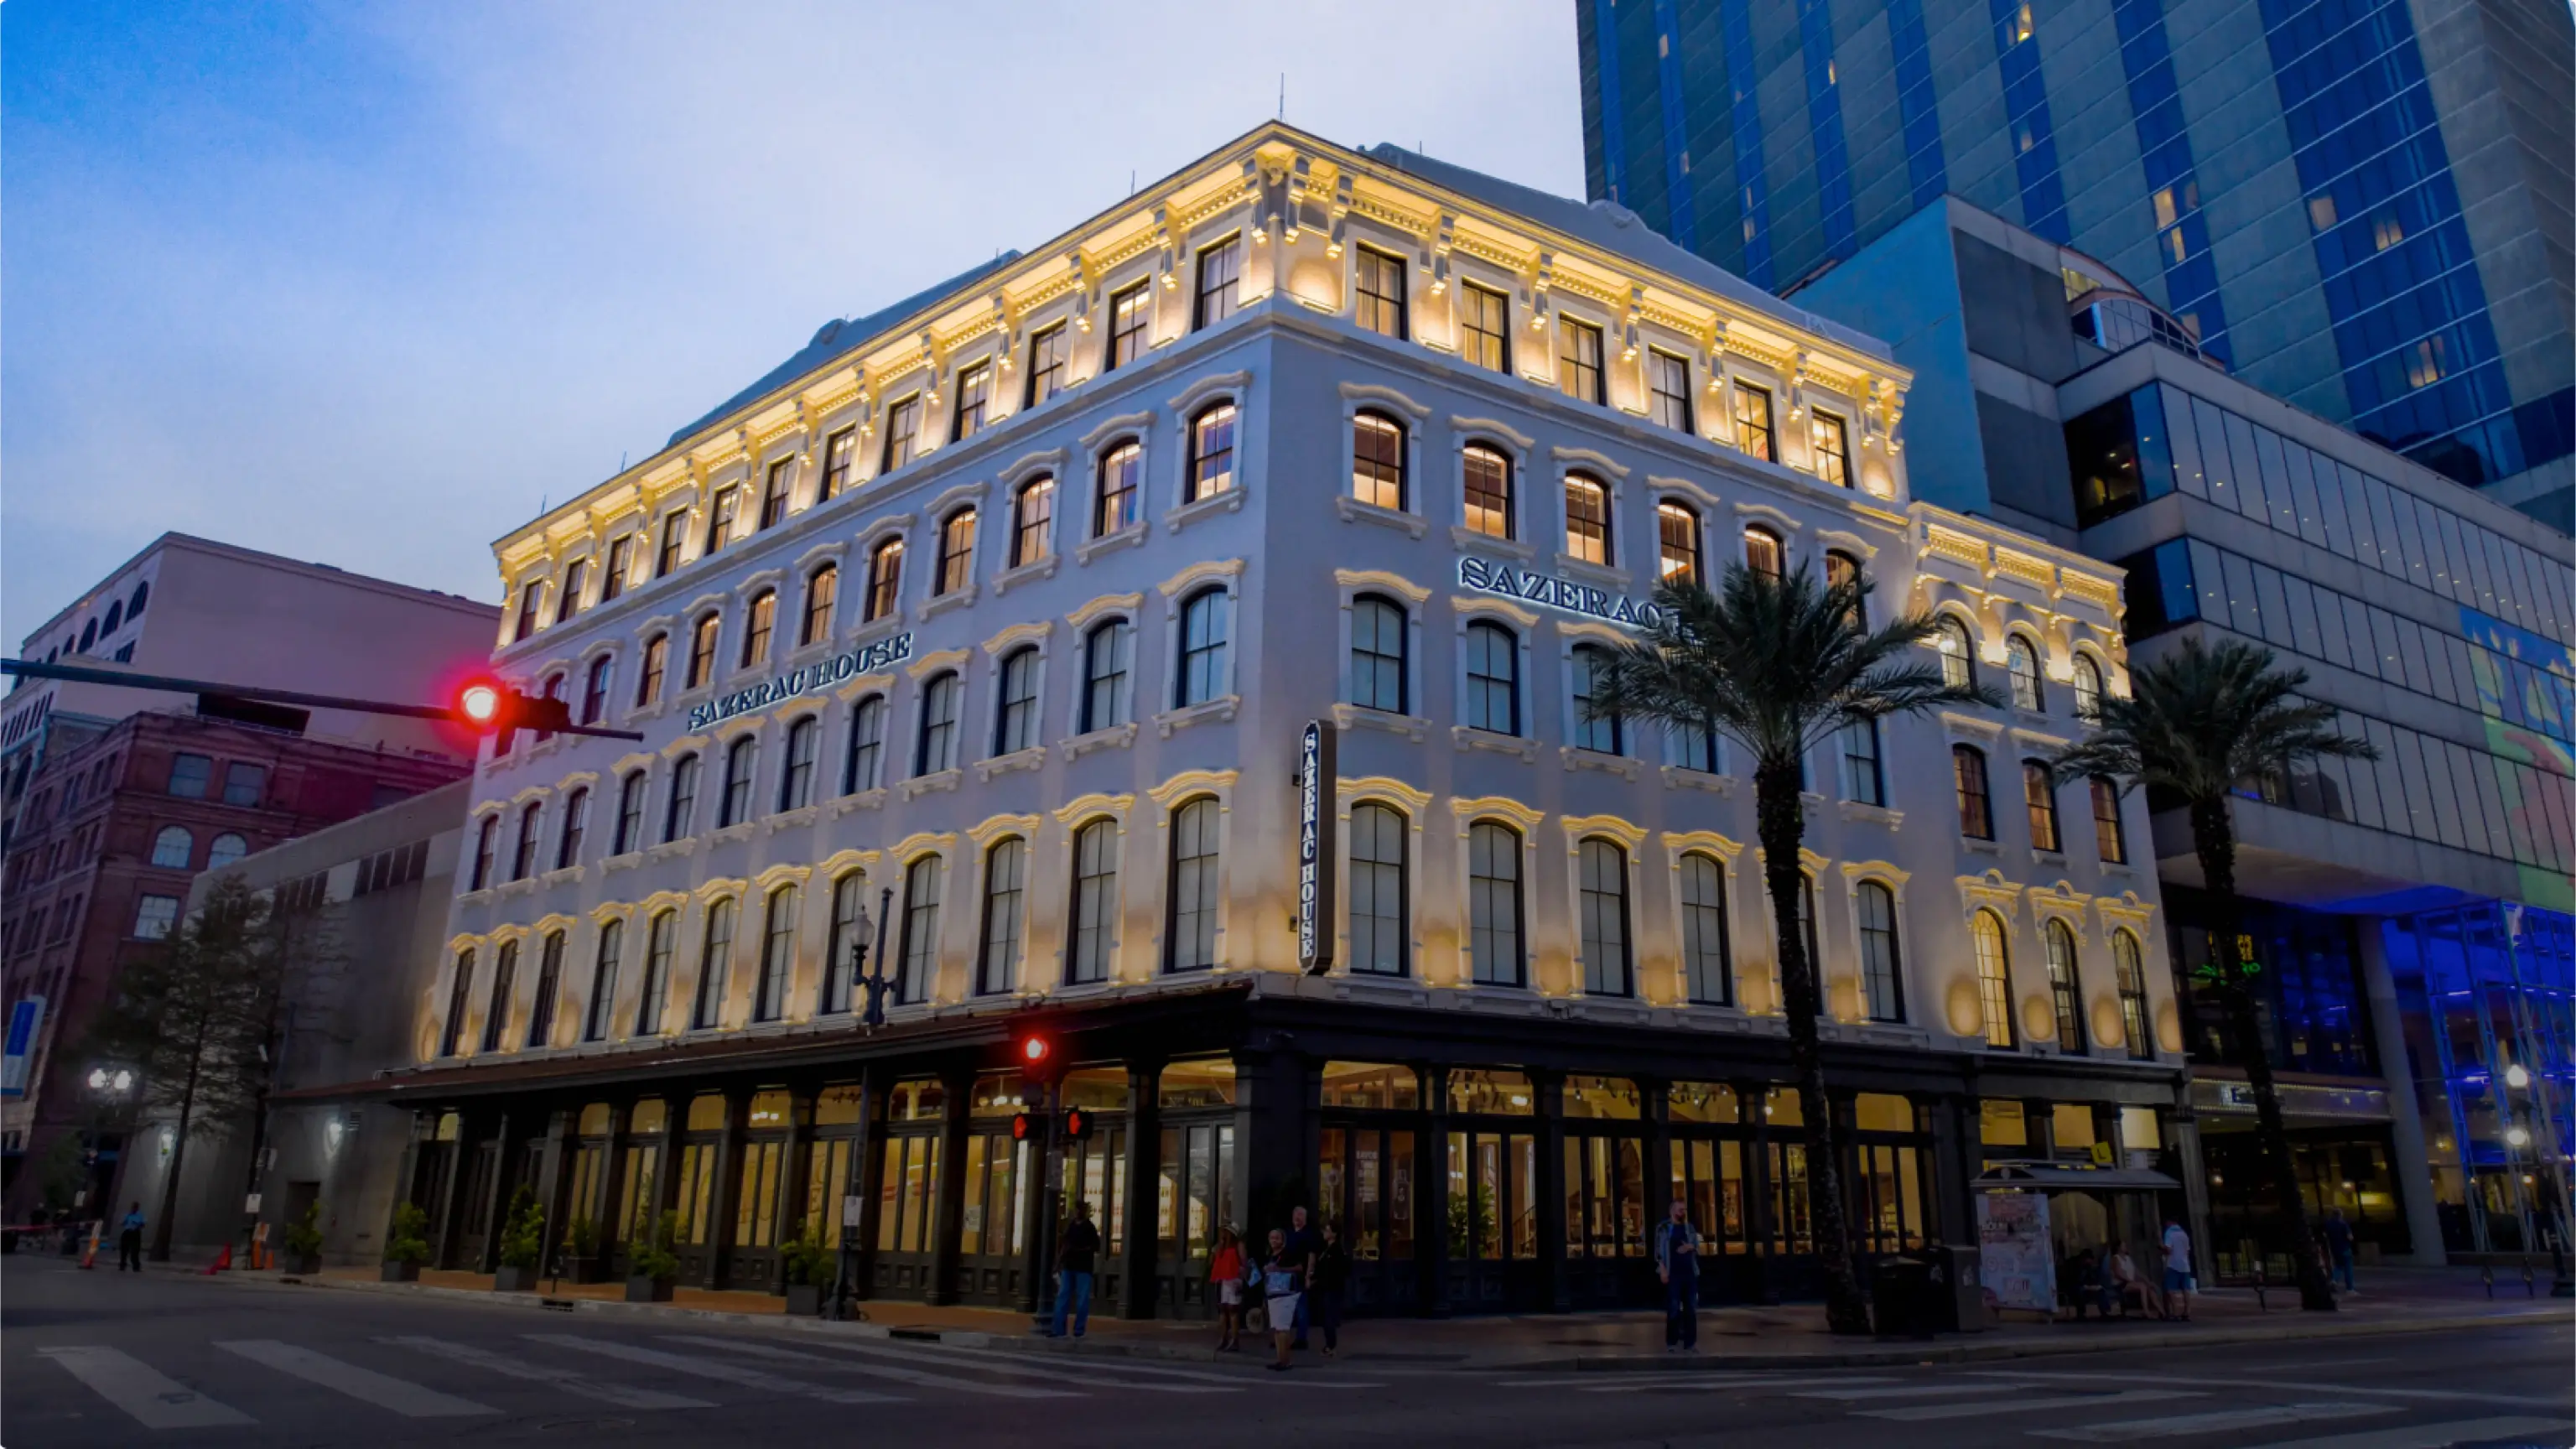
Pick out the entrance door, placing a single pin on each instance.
(1364, 1186)
(474, 1214)
(1494, 1250)
(1605, 1221)
(1708, 1174)
(991, 1236)
(751, 1262)
(908, 1196)
(1095, 1171)
(1194, 1197)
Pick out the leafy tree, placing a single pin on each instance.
(2199, 725)
(1781, 666)
(304, 1235)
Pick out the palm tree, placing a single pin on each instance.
(1782, 666)
(2199, 724)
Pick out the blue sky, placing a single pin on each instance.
(365, 284)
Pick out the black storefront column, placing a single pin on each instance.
(866, 1174)
(496, 1193)
(550, 1184)
(423, 1124)
(792, 1168)
(1654, 1103)
(612, 1183)
(1761, 1220)
(451, 1212)
(1271, 1117)
(728, 1184)
(666, 1181)
(1137, 1281)
(1431, 1196)
(1549, 1089)
(1957, 1158)
(949, 1193)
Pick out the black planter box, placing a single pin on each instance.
(507, 1279)
(304, 1265)
(648, 1290)
(402, 1273)
(804, 1300)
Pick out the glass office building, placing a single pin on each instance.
(2358, 205)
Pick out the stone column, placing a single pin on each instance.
(1431, 1195)
(551, 1183)
(727, 1186)
(1547, 1089)
(948, 1201)
(867, 1148)
(2410, 1166)
(1137, 1286)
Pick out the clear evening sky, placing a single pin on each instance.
(365, 284)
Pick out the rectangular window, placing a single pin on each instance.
(773, 493)
(1220, 287)
(190, 775)
(1381, 289)
(840, 454)
(903, 432)
(621, 559)
(1131, 320)
(1830, 448)
(1579, 368)
(674, 530)
(245, 784)
(1668, 384)
(1753, 433)
(728, 502)
(1484, 330)
(1049, 351)
(568, 603)
(974, 394)
(154, 916)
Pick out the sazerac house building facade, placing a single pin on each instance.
(987, 629)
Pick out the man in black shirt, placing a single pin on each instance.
(1076, 1249)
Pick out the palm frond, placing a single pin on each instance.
(2205, 720)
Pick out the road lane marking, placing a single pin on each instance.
(2123, 1431)
(1910, 1391)
(1204, 1376)
(155, 1400)
(721, 1372)
(2431, 1436)
(1920, 1413)
(921, 1377)
(1614, 1382)
(622, 1395)
(2311, 1387)
(1101, 1375)
(365, 1385)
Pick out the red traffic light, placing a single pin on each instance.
(479, 704)
(490, 707)
(1034, 1051)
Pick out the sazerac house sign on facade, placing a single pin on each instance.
(1531, 586)
(808, 680)
(1318, 770)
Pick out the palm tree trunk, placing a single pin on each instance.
(2213, 837)
(1783, 826)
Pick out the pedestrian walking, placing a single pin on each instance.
(129, 1240)
(2339, 1249)
(1077, 1248)
(1283, 1294)
(1331, 1277)
(1302, 1243)
(2178, 1279)
(1677, 1268)
(1225, 1270)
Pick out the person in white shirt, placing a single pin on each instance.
(2178, 1281)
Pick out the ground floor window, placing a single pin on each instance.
(994, 1167)
(1493, 1196)
(1709, 1177)
(755, 1205)
(1196, 1194)
(906, 1194)
(1605, 1197)
(1364, 1184)
(827, 1175)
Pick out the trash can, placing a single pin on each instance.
(1958, 1289)
(1902, 1300)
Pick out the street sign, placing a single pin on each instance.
(850, 1211)
(24, 1019)
(1318, 769)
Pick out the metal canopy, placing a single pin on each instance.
(2072, 1177)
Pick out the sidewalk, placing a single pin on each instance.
(2393, 1300)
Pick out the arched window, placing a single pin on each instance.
(1488, 492)
(554, 689)
(1843, 571)
(1377, 885)
(1378, 631)
(2132, 980)
(541, 1010)
(849, 925)
(936, 749)
(1677, 544)
(2039, 799)
(1493, 679)
(822, 588)
(865, 768)
(679, 812)
(763, 621)
(956, 552)
(661, 938)
(1763, 553)
(1968, 773)
(1377, 461)
(777, 955)
(1117, 502)
(2064, 992)
(1204, 630)
(742, 759)
(523, 858)
(1603, 870)
(1587, 519)
(2108, 840)
(715, 960)
(919, 964)
(496, 1011)
(1015, 716)
(576, 826)
(1707, 954)
(1591, 731)
(1494, 905)
(1864, 777)
(1105, 652)
(2021, 662)
(115, 617)
(702, 651)
(594, 688)
(224, 850)
(648, 679)
(603, 981)
(1211, 466)
(1032, 520)
(796, 775)
(1958, 656)
(1994, 979)
(997, 966)
(89, 630)
(142, 596)
(885, 579)
(1189, 928)
(173, 847)
(460, 997)
(487, 838)
(2088, 688)
(1094, 936)
(1882, 971)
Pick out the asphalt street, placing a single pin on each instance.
(95, 1359)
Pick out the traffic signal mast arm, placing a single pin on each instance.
(453, 714)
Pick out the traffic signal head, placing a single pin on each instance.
(489, 707)
(1077, 1124)
(479, 704)
(1024, 1128)
(1034, 1053)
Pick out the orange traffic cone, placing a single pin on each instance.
(223, 1261)
(89, 1255)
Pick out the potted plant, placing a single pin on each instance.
(523, 1244)
(809, 1268)
(304, 1242)
(581, 1250)
(408, 1247)
(655, 1264)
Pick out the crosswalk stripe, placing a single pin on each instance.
(1106, 1375)
(2433, 1436)
(1919, 1413)
(1907, 1391)
(623, 1395)
(921, 1377)
(365, 1385)
(2123, 1431)
(1622, 1382)
(155, 1400)
(721, 1372)
(2312, 1387)
(1203, 1376)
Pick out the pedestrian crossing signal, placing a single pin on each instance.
(1023, 1127)
(1077, 1125)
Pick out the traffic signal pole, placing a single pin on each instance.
(261, 694)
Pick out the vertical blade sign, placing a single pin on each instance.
(1318, 767)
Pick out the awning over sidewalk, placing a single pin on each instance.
(2072, 1177)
